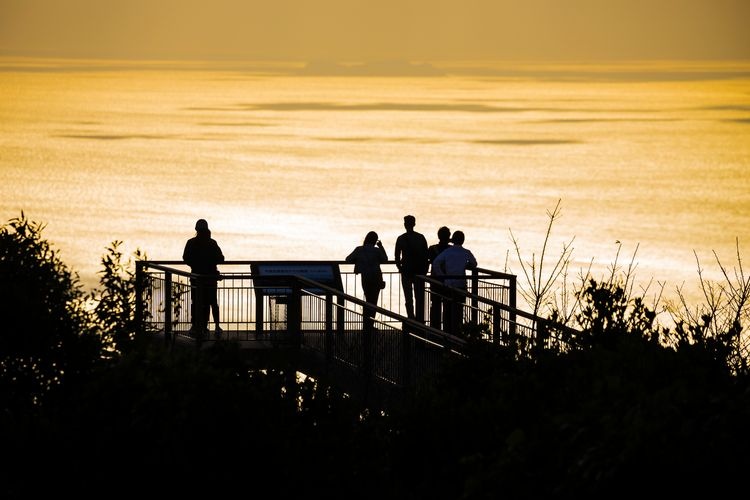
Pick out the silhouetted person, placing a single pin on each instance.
(367, 259)
(437, 292)
(453, 263)
(202, 254)
(411, 260)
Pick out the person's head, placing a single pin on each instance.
(444, 234)
(458, 238)
(201, 227)
(409, 221)
(371, 238)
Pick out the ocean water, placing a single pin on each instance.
(302, 167)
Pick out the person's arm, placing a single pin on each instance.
(425, 260)
(471, 261)
(352, 257)
(438, 265)
(219, 254)
(383, 256)
(187, 256)
(397, 252)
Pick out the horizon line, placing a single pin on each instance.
(616, 69)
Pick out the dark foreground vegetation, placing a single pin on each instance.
(88, 409)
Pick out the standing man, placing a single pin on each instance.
(453, 263)
(437, 292)
(411, 260)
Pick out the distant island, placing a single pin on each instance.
(374, 68)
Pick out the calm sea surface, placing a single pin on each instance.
(301, 167)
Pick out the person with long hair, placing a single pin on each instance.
(203, 255)
(367, 259)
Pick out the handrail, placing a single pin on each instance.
(316, 322)
(159, 264)
(502, 306)
(412, 323)
(163, 266)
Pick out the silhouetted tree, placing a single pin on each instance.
(622, 414)
(115, 298)
(45, 334)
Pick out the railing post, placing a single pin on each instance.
(340, 315)
(421, 303)
(168, 307)
(496, 331)
(139, 290)
(294, 314)
(405, 357)
(328, 341)
(541, 333)
(259, 299)
(512, 304)
(475, 292)
(367, 351)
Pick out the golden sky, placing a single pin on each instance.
(362, 30)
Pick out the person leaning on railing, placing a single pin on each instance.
(202, 254)
(367, 259)
(452, 262)
(437, 302)
(411, 257)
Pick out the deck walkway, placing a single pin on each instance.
(316, 324)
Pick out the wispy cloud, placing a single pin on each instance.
(491, 142)
(113, 137)
(235, 124)
(603, 120)
(727, 107)
(526, 142)
(418, 140)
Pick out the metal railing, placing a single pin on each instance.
(384, 345)
(389, 347)
(369, 339)
(170, 290)
(475, 316)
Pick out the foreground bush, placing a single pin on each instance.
(46, 340)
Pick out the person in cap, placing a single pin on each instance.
(412, 260)
(203, 255)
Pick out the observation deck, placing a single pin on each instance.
(314, 314)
